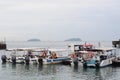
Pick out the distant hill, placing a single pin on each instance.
(33, 40)
(74, 39)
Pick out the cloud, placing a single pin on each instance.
(68, 18)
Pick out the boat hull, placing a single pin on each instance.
(55, 61)
(116, 62)
(103, 63)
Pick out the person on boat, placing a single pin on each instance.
(44, 54)
(49, 55)
(30, 53)
(54, 55)
(111, 55)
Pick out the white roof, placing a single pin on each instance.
(84, 51)
(35, 49)
(26, 49)
(105, 48)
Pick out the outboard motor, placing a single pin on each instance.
(75, 61)
(14, 59)
(84, 64)
(27, 60)
(40, 60)
(97, 64)
(4, 58)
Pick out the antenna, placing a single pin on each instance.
(99, 44)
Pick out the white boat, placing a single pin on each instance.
(55, 61)
(52, 57)
(15, 56)
(35, 56)
(102, 57)
(77, 51)
(93, 57)
(48, 60)
(17, 59)
(19, 55)
(77, 58)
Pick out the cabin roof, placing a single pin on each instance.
(35, 49)
(27, 49)
(102, 49)
(84, 45)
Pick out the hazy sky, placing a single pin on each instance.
(60, 19)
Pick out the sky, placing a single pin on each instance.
(58, 20)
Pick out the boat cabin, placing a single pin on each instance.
(80, 47)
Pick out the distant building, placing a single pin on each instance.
(116, 43)
(3, 45)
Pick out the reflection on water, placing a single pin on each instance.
(57, 72)
(3, 65)
(107, 73)
(27, 67)
(13, 66)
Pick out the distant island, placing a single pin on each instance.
(74, 39)
(33, 40)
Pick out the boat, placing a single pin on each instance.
(77, 53)
(87, 55)
(13, 56)
(34, 56)
(102, 57)
(51, 57)
(55, 61)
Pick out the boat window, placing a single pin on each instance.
(103, 57)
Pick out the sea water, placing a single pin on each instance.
(9, 71)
